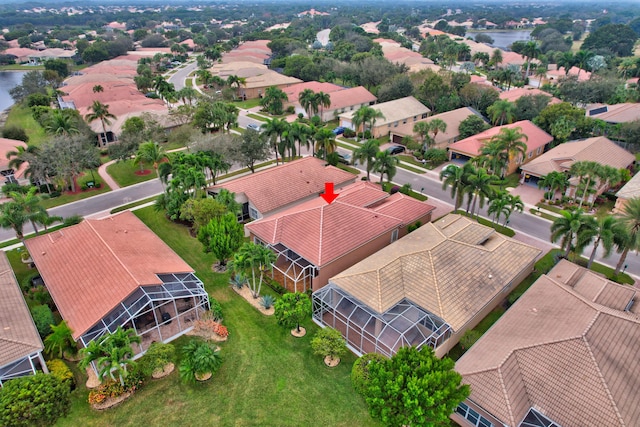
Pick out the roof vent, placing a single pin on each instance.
(630, 304)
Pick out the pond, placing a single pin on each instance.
(503, 39)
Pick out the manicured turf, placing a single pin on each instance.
(124, 173)
(268, 378)
(68, 198)
(21, 116)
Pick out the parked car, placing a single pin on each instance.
(344, 158)
(253, 126)
(396, 149)
(338, 131)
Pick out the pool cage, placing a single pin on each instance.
(27, 365)
(404, 324)
(156, 313)
(291, 270)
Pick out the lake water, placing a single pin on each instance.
(8, 80)
(503, 39)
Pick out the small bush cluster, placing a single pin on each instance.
(43, 318)
(267, 301)
(216, 309)
(157, 357)
(221, 330)
(360, 371)
(61, 371)
(348, 133)
(113, 389)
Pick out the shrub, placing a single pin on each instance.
(71, 220)
(34, 400)
(216, 309)
(61, 371)
(394, 189)
(367, 134)
(406, 189)
(26, 283)
(15, 132)
(198, 358)
(43, 318)
(348, 133)
(316, 121)
(291, 109)
(300, 116)
(436, 156)
(329, 342)
(414, 226)
(469, 338)
(157, 357)
(221, 330)
(267, 301)
(238, 280)
(360, 371)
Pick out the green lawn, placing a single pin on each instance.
(68, 198)
(21, 116)
(249, 103)
(257, 117)
(20, 67)
(408, 158)
(124, 173)
(268, 378)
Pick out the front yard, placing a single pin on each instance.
(267, 378)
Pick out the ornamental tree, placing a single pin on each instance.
(413, 388)
(291, 309)
(329, 342)
(222, 236)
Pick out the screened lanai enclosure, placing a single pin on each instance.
(156, 313)
(27, 365)
(404, 324)
(291, 270)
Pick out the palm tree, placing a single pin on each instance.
(300, 134)
(566, 60)
(273, 100)
(29, 203)
(496, 57)
(367, 152)
(60, 123)
(151, 152)
(60, 340)
(358, 119)
(479, 188)
(100, 112)
(257, 259)
(423, 129)
(515, 204)
(111, 353)
(493, 157)
(325, 142)
(237, 81)
(436, 126)
(386, 164)
(308, 101)
(512, 141)
(457, 178)
(97, 88)
(629, 232)
(529, 52)
(498, 206)
(553, 181)
(581, 59)
(587, 173)
(502, 111)
(372, 115)
(199, 359)
(601, 231)
(274, 128)
(323, 100)
(569, 227)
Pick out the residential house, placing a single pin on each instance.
(293, 92)
(615, 113)
(628, 191)
(9, 174)
(395, 53)
(565, 354)
(395, 113)
(597, 149)
(516, 93)
(427, 288)
(20, 344)
(452, 119)
(114, 272)
(349, 99)
(272, 190)
(555, 73)
(315, 240)
(538, 141)
(255, 86)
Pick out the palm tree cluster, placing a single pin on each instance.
(273, 100)
(553, 181)
(591, 176)
(24, 207)
(314, 103)
(470, 181)
(424, 128)
(111, 354)
(502, 150)
(366, 116)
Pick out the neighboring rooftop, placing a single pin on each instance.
(279, 186)
(91, 267)
(567, 348)
(321, 232)
(351, 96)
(615, 113)
(293, 91)
(631, 189)
(451, 267)
(7, 145)
(597, 149)
(18, 334)
(516, 93)
(396, 110)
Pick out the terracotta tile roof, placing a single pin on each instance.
(472, 146)
(20, 52)
(573, 71)
(630, 190)
(321, 232)
(616, 113)
(597, 149)
(293, 91)
(452, 118)
(90, 267)
(18, 334)
(452, 268)
(351, 96)
(269, 78)
(282, 185)
(569, 355)
(516, 93)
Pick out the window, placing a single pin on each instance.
(404, 122)
(395, 125)
(415, 118)
(394, 235)
(424, 116)
(472, 416)
(539, 150)
(536, 419)
(530, 154)
(253, 213)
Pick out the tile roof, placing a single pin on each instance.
(452, 267)
(321, 232)
(304, 177)
(516, 93)
(7, 145)
(472, 145)
(18, 334)
(562, 349)
(269, 78)
(396, 110)
(90, 267)
(350, 96)
(597, 149)
(630, 190)
(452, 118)
(616, 113)
(293, 91)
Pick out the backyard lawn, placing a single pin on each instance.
(20, 115)
(268, 378)
(124, 173)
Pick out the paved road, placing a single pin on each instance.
(178, 78)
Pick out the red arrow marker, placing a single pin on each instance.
(329, 196)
